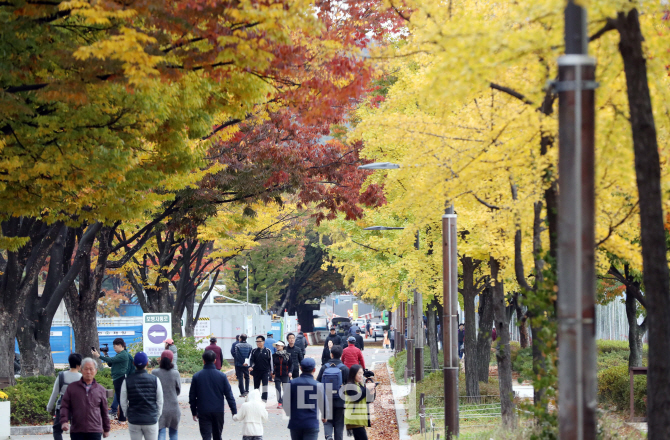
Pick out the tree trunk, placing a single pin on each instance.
(432, 335)
(652, 230)
(33, 337)
(472, 361)
(84, 326)
(635, 331)
(484, 336)
(503, 354)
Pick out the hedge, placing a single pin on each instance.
(189, 356)
(614, 389)
(30, 395)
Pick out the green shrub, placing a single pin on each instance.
(605, 346)
(614, 389)
(29, 398)
(189, 356)
(522, 363)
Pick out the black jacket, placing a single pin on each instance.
(142, 405)
(336, 340)
(359, 342)
(260, 360)
(209, 386)
(297, 355)
(281, 367)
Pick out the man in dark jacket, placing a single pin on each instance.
(232, 348)
(359, 340)
(333, 336)
(307, 400)
(301, 342)
(461, 339)
(217, 351)
(120, 364)
(242, 352)
(334, 427)
(85, 403)
(206, 397)
(297, 355)
(142, 399)
(260, 366)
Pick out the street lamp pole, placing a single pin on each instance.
(246, 304)
(449, 323)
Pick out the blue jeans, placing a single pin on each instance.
(305, 434)
(161, 434)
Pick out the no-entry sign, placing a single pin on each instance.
(157, 327)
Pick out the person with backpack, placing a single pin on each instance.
(282, 367)
(122, 364)
(242, 351)
(64, 379)
(297, 355)
(232, 348)
(260, 366)
(332, 375)
(301, 342)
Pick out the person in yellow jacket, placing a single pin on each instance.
(357, 395)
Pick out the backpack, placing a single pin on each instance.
(332, 375)
(61, 384)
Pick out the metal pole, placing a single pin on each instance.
(449, 324)
(410, 340)
(576, 235)
(418, 337)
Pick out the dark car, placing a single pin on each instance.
(342, 324)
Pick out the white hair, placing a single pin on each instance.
(87, 360)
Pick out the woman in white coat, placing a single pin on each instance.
(253, 414)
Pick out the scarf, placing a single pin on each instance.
(284, 354)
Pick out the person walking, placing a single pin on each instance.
(461, 339)
(352, 355)
(357, 394)
(64, 379)
(121, 363)
(169, 345)
(306, 401)
(333, 336)
(85, 404)
(270, 342)
(217, 351)
(325, 355)
(253, 415)
(333, 375)
(142, 399)
(171, 385)
(209, 386)
(353, 329)
(241, 356)
(360, 343)
(391, 335)
(281, 368)
(260, 366)
(367, 329)
(297, 355)
(301, 342)
(232, 348)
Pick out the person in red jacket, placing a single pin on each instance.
(217, 351)
(352, 355)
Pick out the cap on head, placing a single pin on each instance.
(169, 341)
(270, 334)
(351, 340)
(358, 330)
(308, 364)
(141, 359)
(333, 328)
(167, 354)
(279, 344)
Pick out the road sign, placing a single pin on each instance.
(156, 328)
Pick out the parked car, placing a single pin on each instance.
(378, 330)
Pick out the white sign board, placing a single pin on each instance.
(202, 330)
(156, 328)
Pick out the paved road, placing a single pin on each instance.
(275, 428)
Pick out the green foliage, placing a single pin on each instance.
(614, 389)
(522, 363)
(613, 346)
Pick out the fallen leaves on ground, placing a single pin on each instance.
(383, 420)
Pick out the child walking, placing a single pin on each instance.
(253, 414)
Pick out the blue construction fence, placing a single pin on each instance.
(62, 340)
